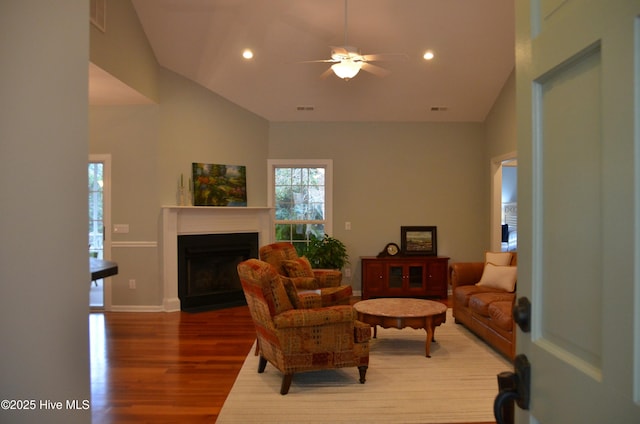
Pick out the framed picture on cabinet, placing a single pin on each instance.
(419, 241)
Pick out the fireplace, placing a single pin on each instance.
(178, 221)
(207, 274)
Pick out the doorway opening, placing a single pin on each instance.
(99, 240)
(509, 206)
(504, 203)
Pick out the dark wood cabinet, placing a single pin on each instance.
(404, 276)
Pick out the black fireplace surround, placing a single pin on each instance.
(207, 274)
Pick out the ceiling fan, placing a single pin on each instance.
(347, 60)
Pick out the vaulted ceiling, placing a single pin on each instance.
(473, 43)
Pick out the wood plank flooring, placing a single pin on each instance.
(162, 367)
(166, 367)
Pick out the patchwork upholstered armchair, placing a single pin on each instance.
(284, 258)
(295, 339)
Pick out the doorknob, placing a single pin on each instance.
(513, 386)
(522, 314)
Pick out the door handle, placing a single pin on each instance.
(522, 314)
(513, 386)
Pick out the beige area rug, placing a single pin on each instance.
(457, 384)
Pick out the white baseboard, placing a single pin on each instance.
(136, 308)
(171, 304)
(134, 244)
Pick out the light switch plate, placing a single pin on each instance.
(121, 228)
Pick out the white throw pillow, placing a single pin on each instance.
(498, 258)
(499, 277)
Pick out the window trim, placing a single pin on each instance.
(327, 164)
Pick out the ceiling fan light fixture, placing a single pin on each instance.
(247, 54)
(346, 69)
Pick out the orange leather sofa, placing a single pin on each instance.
(486, 311)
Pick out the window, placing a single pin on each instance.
(300, 193)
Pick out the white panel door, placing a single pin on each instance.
(579, 240)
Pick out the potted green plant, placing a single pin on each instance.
(326, 252)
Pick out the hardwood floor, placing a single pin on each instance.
(166, 367)
(162, 367)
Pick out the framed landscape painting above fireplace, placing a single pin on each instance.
(219, 185)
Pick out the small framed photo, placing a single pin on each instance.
(419, 241)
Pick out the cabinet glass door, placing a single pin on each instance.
(395, 277)
(416, 276)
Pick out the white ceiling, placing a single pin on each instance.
(473, 41)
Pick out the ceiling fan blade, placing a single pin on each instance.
(375, 70)
(384, 57)
(326, 73)
(319, 61)
(340, 50)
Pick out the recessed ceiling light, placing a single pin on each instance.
(428, 55)
(247, 54)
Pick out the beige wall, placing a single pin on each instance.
(124, 51)
(501, 144)
(501, 121)
(44, 269)
(197, 125)
(151, 146)
(130, 135)
(385, 174)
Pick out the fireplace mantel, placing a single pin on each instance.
(179, 220)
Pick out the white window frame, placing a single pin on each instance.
(327, 164)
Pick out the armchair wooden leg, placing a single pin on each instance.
(363, 373)
(262, 363)
(286, 383)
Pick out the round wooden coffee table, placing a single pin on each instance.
(403, 312)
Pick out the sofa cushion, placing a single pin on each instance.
(499, 277)
(328, 277)
(298, 267)
(462, 294)
(305, 283)
(279, 295)
(340, 295)
(501, 314)
(292, 292)
(498, 258)
(479, 302)
(309, 299)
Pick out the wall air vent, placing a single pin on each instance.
(305, 108)
(439, 108)
(98, 14)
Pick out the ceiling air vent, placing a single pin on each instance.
(439, 108)
(305, 108)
